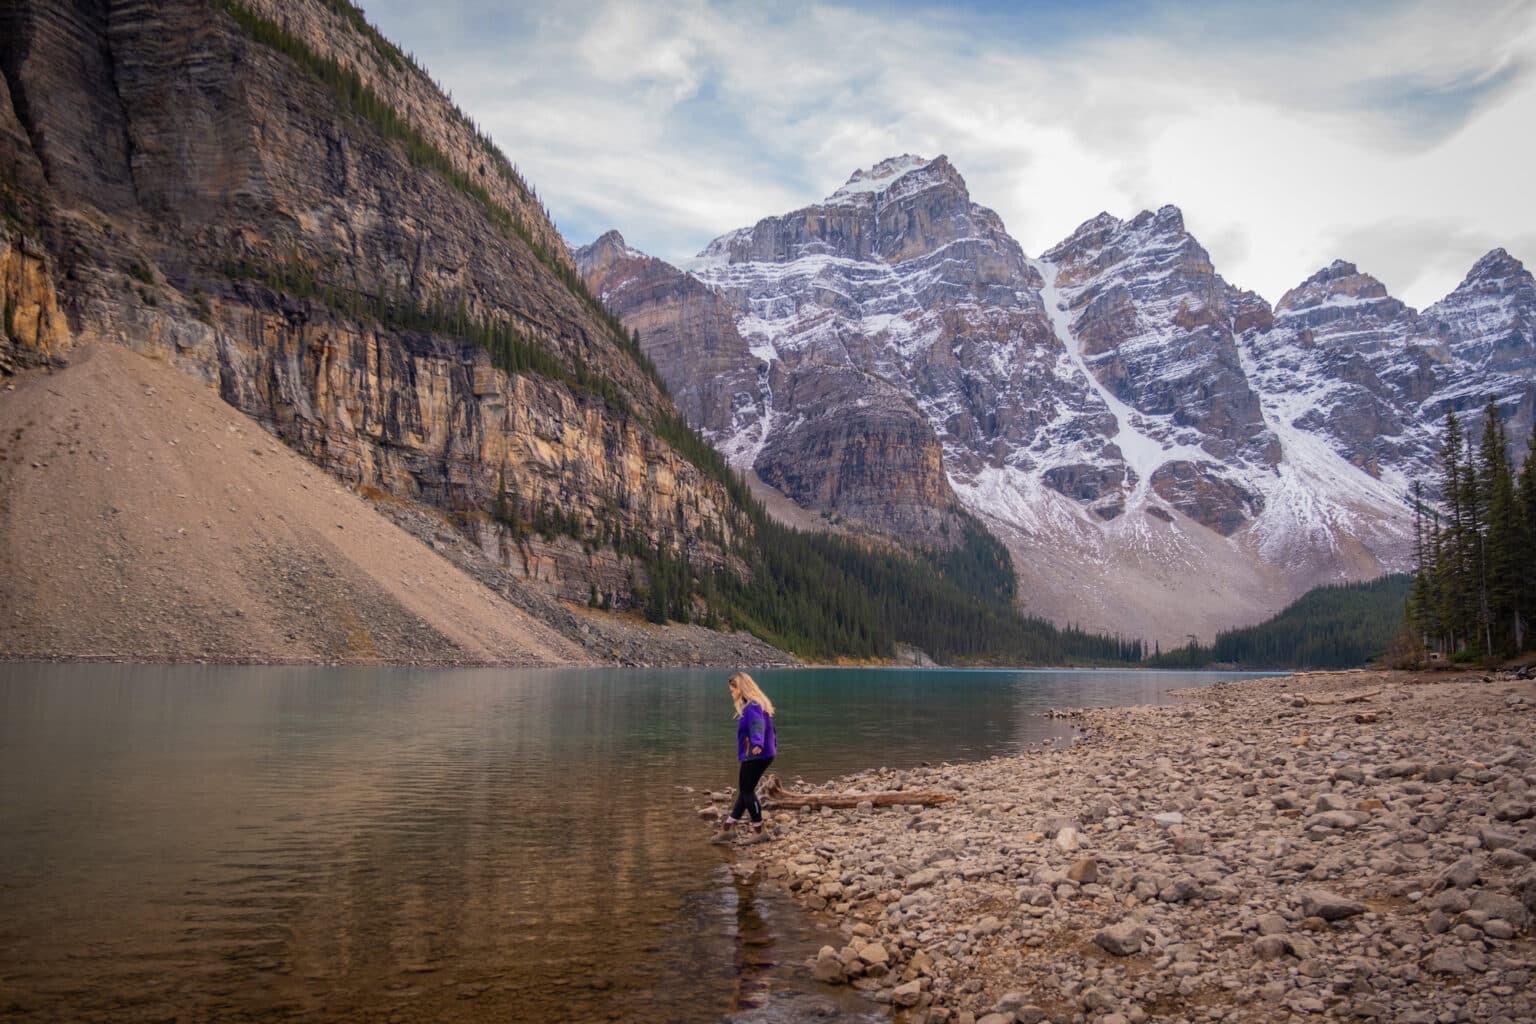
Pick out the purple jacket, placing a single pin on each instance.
(755, 729)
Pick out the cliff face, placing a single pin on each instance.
(204, 183)
(685, 328)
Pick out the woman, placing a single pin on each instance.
(755, 750)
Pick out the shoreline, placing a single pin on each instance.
(1259, 851)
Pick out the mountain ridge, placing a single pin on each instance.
(1114, 402)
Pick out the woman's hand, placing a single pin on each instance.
(757, 750)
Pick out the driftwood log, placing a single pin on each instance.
(772, 794)
(1302, 700)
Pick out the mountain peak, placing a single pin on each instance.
(609, 247)
(1339, 284)
(1496, 266)
(885, 175)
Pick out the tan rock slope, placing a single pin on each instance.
(141, 517)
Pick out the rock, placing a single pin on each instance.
(874, 954)
(1123, 939)
(1067, 840)
(1179, 891)
(1342, 820)
(1461, 875)
(1505, 908)
(907, 994)
(828, 967)
(1271, 947)
(1272, 924)
(1496, 839)
(1084, 872)
(1514, 810)
(1168, 819)
(1329, 906)
(1189, 843)
(1447, 961)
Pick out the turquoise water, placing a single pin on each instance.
(228, 843)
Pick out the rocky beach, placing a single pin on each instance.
(1353, 845)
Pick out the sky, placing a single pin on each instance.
(1400, 136)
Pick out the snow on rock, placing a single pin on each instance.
(1161, 451)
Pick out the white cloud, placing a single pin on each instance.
(1402, 131)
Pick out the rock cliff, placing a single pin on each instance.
(273, 198)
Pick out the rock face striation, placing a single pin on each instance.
(1161, 450)
(351, 264)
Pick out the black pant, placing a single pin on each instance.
(746, 789)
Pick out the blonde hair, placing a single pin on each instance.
(747, 691)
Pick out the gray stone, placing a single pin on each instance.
(1168, 819)
(1496, 838)
(1461, 875)
(1271, 947)
(1344, 821)
(1513, 810)
(1499, 929)
(1329, 906)
(1123, 939)
(1181, 891)
(907, 994)
(988, 925)
(1272, 924)
(1452, 901)
(1189, 843)
(1505, 908)
(1447, 961)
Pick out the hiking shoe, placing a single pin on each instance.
(724, 834)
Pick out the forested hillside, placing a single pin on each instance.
(1328, 627)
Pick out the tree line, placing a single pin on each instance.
(1474, 586)
(1337, 626)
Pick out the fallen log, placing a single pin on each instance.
(775, 796)
(1302, 700)
(786, 798)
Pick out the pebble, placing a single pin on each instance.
(1215, 860)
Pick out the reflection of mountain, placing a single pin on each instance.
(1162, 451)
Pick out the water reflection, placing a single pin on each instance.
(222, 843)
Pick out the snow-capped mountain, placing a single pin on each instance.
(1162, 451)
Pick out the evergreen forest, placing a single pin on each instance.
(1474, 588)
(1338, 626)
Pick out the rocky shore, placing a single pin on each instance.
(1261, 851)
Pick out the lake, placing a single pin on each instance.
(331, 844)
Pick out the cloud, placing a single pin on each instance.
(1281, 129)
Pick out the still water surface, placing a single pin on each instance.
(232, 843)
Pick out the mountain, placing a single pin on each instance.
(276, 200)
(1162, 452)
(273, 200)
